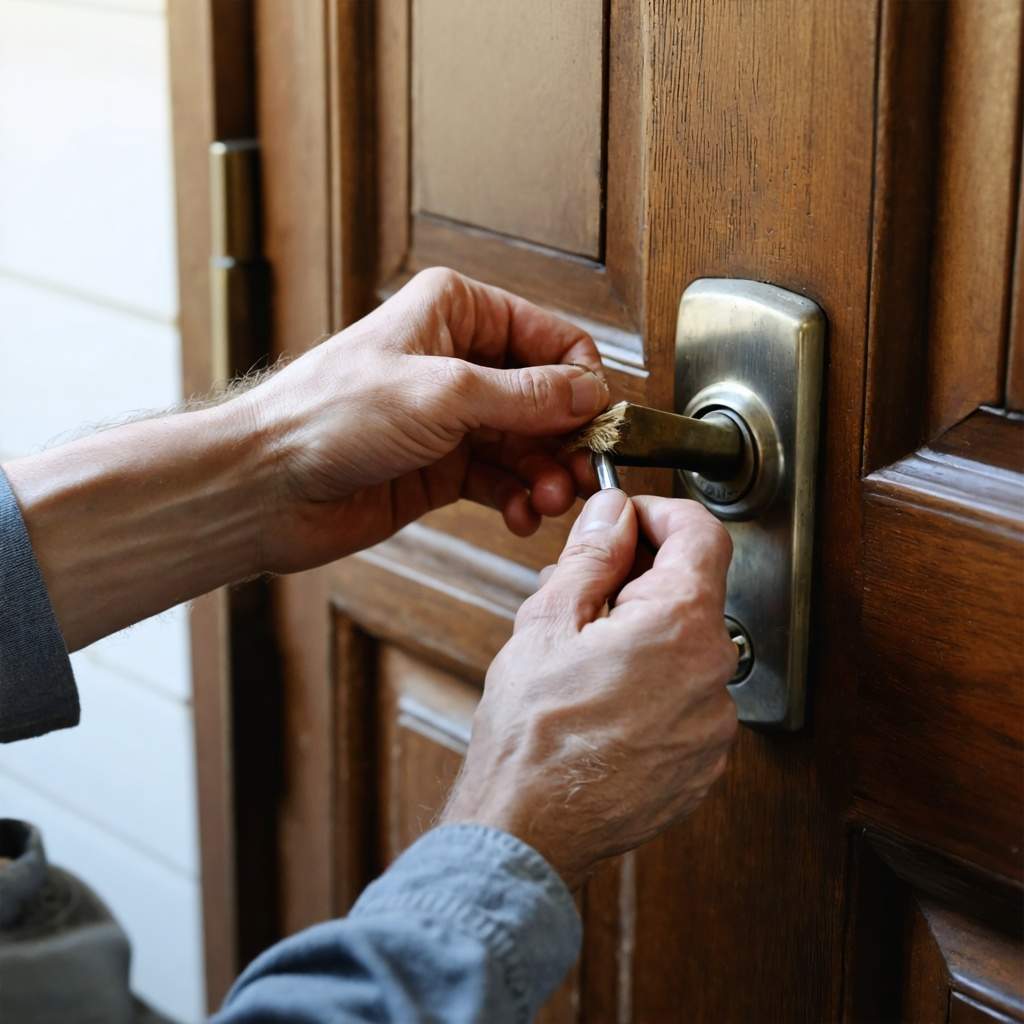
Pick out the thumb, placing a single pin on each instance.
(593, 565)
(534, 400)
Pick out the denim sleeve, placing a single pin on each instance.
(37, 687)
(469, 924)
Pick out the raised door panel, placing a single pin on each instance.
(930, 941)
(507, 134)
(978, 177)
(402, 727)
(425, 716)
(938, 724)
(738, 143)
(496, 163)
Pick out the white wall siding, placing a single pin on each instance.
(124, 768)
(88, 334)
(88, 198)
(68, 365)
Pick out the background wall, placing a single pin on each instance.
(88, 310)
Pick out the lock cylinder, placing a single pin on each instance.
(724, 447)
(749, 363)
(635, 435)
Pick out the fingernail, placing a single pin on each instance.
(589, 393)
(602, 511)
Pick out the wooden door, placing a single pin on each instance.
(597, 156)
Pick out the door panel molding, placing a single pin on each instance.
(801, 173)
(926, 930)
(607, 290)
(946, 208)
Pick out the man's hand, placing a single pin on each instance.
(450, 389)
(596, 731)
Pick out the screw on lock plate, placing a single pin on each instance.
(753, 354)
(744, 437)
(738, 635)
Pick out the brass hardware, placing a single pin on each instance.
(634, 435)
(238, 273)
(753, 354)
(752, 486)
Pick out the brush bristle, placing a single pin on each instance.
(602, 433)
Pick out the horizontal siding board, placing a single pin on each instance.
(128, 768)
(67, 366)
(86, 186)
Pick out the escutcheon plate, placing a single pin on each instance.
(756, 352)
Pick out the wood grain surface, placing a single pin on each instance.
(508, 136)
(211, 57)
(977, 209)
(941, 706)
(848, 151)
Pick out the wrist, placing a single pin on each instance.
(244, 471)
(518, 818)
(130, 521)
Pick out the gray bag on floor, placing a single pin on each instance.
(63, 957)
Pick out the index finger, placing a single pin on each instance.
(492, 326)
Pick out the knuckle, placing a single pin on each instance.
(719, 538)
(696, 519)
(438, 279)
(456, 375)
(438, 382)
(545, 605)
(691, 622)
(689, 619)
(728, 725)
(534, 388)
(730, 660)
(586, 554)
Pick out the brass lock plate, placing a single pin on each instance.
(755, 353)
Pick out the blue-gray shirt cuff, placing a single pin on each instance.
(37, 686)
(469, 924)
(491, 886)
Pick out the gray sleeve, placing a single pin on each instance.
(37, 686)
(469, 924)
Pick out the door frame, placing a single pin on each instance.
(211, 47)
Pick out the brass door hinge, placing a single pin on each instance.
(238, 273)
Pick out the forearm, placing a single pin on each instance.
(132, 520)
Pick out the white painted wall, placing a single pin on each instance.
(88, 311)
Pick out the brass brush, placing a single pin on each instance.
(635, 435)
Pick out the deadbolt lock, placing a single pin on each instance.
(750, 355)
(744, 440)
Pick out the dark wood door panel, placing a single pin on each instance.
(500, 244)
(785, 142)
(436, 594)
(425, 716)
(550, 91)
(940, 727)
(928, 933)
(964, 1010)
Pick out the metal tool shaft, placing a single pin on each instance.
(607, 476)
